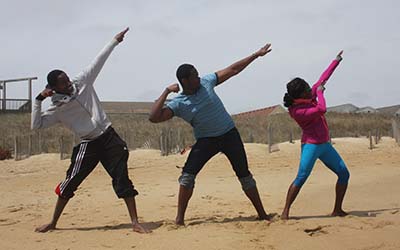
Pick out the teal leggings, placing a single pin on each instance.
(328, 155)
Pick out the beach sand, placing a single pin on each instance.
(219, 216)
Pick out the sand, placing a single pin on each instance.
(219, 215)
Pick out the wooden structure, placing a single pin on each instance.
(16, 105)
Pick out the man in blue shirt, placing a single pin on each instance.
(213, 127)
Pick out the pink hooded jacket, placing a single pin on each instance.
(310, 114)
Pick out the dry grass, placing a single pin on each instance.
(139, 132)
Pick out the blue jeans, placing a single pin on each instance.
(328, 155)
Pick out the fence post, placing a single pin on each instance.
(30, 145)
(179, 140)
(269, 138)
(162, 148)
(125, 135)
(169, 141)
(128, 139)
(16, 148)
(251, 137)
(132, 142)
(396, 130)
(61, 147)
(371, 146)
(379, 135)
(40, 142)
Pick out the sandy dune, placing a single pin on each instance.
(219, 215)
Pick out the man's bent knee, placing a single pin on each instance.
(187, 180)
(247, 182)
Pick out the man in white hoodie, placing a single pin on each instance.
(75, 105)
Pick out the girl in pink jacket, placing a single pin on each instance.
(307, 107)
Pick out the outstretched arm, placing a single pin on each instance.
(159, 113)
(89, 74)
(327, 73)
(240, 65)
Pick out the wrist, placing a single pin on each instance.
(40, 97)
(255, 55)
(167, 91)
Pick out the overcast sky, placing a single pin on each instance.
(38, 36)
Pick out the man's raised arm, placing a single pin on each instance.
(89, 74)
(240, 65)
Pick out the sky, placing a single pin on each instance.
(41, 35)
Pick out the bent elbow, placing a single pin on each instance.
(153, 119)
(34, 126)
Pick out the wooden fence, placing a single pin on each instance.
(170, 138)
(396, 129)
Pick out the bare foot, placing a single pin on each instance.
(340, 213)
(179, 222)
(264, 217)
(140, 229)
(285, 215)
(44, 228)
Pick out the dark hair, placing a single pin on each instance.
(52, 78)
(184, 71)
(295, 89)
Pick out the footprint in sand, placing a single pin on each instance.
(15, 209)
(223, 204)
(7, 222)
(316, 231)
(170, 225)
(383, 224)
(106, 246)
(209, 197)
(238, 225)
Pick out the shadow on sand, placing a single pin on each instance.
(365, 213)
(148, 225)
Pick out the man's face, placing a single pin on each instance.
(63, 84)
(192, 83)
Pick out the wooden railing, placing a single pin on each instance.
(15, 105)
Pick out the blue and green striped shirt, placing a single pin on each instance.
(203, 110)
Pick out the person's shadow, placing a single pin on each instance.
(220, 220)
(148, 225)
(360, 213)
